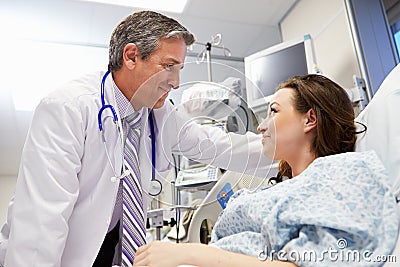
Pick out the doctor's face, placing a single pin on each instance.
(282, 129)
(159, 73)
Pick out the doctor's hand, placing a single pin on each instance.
(162, 254)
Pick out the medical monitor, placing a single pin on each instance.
(265, 69)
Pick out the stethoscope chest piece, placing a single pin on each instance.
(155, 187)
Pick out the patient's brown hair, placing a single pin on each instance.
(336, 131)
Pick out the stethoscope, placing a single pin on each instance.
(155, 185)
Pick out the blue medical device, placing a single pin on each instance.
(155, 186)
(224, 195)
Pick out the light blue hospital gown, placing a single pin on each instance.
(338, 212)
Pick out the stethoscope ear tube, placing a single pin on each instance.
(153, 146)
(103, 104)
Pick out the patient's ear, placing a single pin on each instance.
(310, 121)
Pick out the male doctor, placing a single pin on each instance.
(65, 210)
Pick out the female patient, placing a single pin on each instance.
(336, 209)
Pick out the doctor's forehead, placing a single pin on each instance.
(175, 49)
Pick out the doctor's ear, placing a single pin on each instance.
(130, 55)
(310, 121)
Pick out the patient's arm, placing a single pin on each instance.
(162, 254)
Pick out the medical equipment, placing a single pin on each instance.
(197, 177)
(210, 99)
(358, 94)
(155, 186)
(206, 52)
(267, 68)
(216, 100)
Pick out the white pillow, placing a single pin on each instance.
(382, 116)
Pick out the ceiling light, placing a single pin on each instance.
(175, 6)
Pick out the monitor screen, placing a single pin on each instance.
(269, 67)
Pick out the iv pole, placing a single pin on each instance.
(206, 52)
(208, 49)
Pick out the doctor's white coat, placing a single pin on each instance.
(64, 197)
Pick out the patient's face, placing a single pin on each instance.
(282, 130)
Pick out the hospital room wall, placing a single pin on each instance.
(327, 24)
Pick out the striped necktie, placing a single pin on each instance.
(133, 231)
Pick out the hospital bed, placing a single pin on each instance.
(383, 136)
(216, 199)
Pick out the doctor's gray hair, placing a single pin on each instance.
(145, 29)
